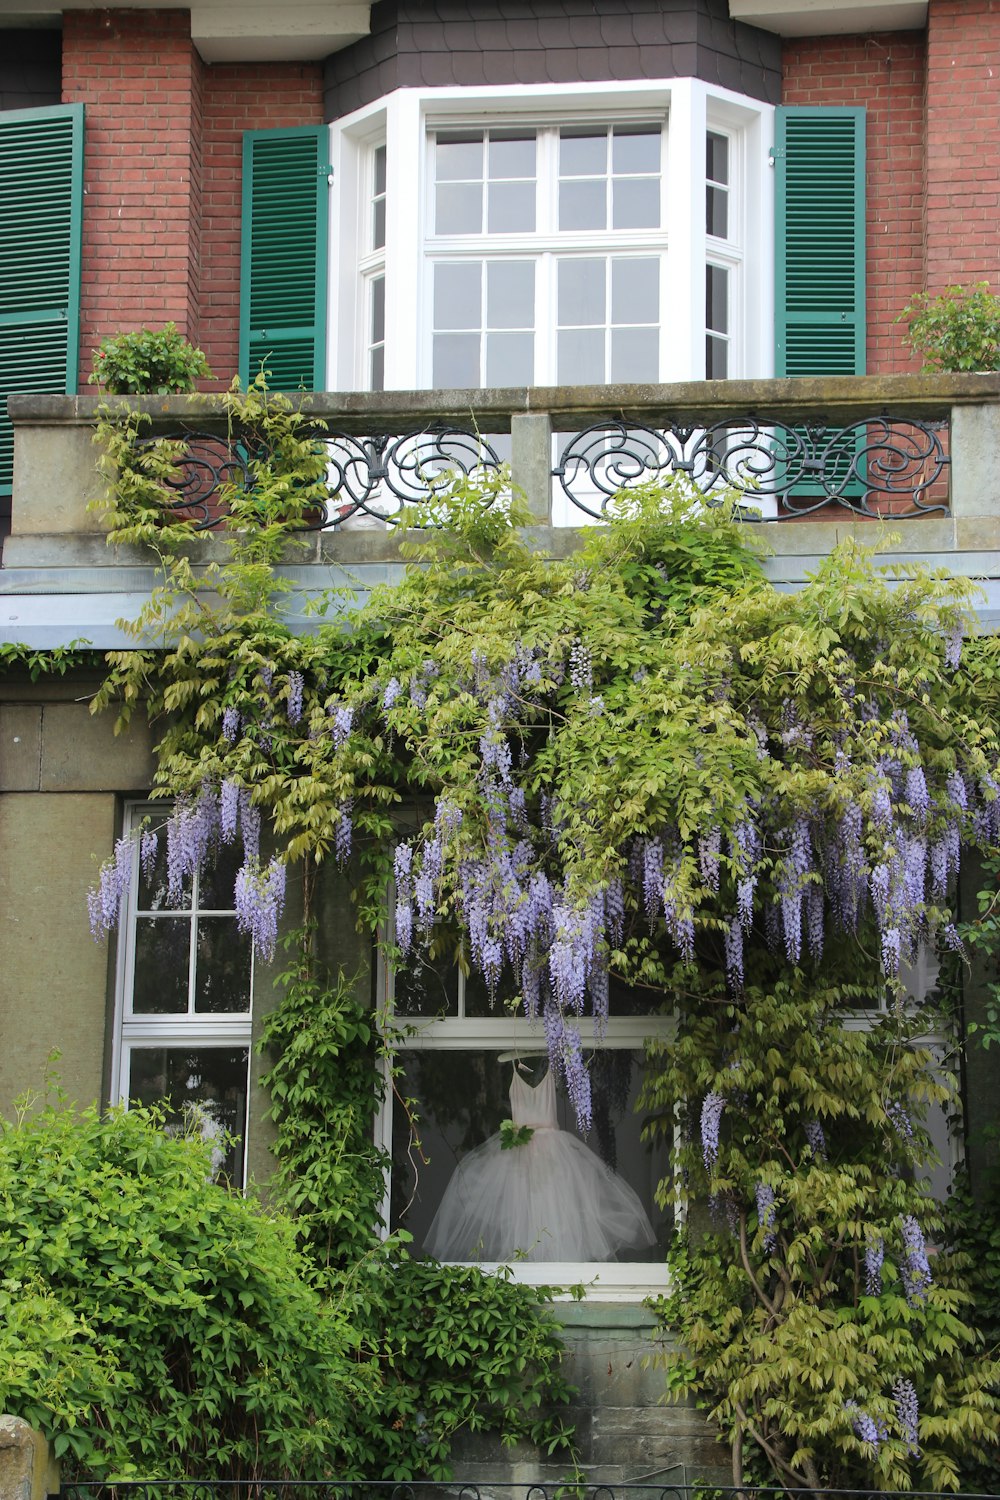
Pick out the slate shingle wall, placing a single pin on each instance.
(472, 43)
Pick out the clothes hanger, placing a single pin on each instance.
(521, 1052)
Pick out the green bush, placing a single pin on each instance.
(148, 362)
(152, 1323)
(957, 330)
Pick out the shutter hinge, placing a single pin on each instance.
(776, 154)
(327, 172)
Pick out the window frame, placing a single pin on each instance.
(403, 119)
(625, 1281)
(132, 1030)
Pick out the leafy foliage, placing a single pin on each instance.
(156, 1325)
(812, 1323)
(148, 361)
(957, 330)
(644, 762)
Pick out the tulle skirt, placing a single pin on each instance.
(549, 1199)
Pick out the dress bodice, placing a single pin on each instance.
(535, 1107)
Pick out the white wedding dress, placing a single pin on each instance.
(548, 1199)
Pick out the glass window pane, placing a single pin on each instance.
(510, 358)
(478, 1003)
(635, 355)
(511, 155)
(510, 294)
(581, 356)
(717, 299)
(458, 156)
(635, 151)
(581, 292)
(716, 358)
(583, 205)
(217, 881)
(716, 157)
(456, 361)
(511, 207)
(635, 291)
(555, 1196)
(206, 1091)
(377, 374)
(458, 294)
(635, 203)
(153, 887)
(459, 208)
(162, 960)
(583, 154)
(378, 224)
(222, 968)
(379, 170)
(717, 212)
(423, 990)
(378, 310)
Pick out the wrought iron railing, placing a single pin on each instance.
(569, 1488)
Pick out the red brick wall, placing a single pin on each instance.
(238, 98)
(963, 143)
(885, 74)
(138, 76)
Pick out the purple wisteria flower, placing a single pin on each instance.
(733, 939)
(260, 900)
(908, 1413)
(709, 851)
(391, 692)
(296, 687)
(106, 900)
(249, 827)
(229, 810)
(343, 722)
(917, 1276)
(766, 1211)
(874, 1255)
(343, 832)
(711, 1117)
(191, 829)
(899, 1119)
(815, 1139)
(149, 849)
(231, 724)
(953, 648)
(864, 1424)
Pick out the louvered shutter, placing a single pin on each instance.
(41, 204)
(284, 257)
(820, 241)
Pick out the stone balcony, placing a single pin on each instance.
(911, 461)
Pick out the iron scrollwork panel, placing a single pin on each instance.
(875, 467)
(379, 477)
(374, 477)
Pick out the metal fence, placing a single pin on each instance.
(418, 1489)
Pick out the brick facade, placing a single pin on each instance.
(139, 77)
(885, 74)
(239, 98)
(962, 241)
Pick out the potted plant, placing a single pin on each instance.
(148, 362)
(957, 330)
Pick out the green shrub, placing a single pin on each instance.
(152, 1323)
(957, 330)
(148, 362)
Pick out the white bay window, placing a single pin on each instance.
(549, 235)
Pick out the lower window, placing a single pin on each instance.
(183, 1014)
(487, 1164)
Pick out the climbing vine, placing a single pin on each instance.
(640, 761)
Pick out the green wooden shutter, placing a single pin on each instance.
(820, 241)
(284, 256)
(41, 212)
